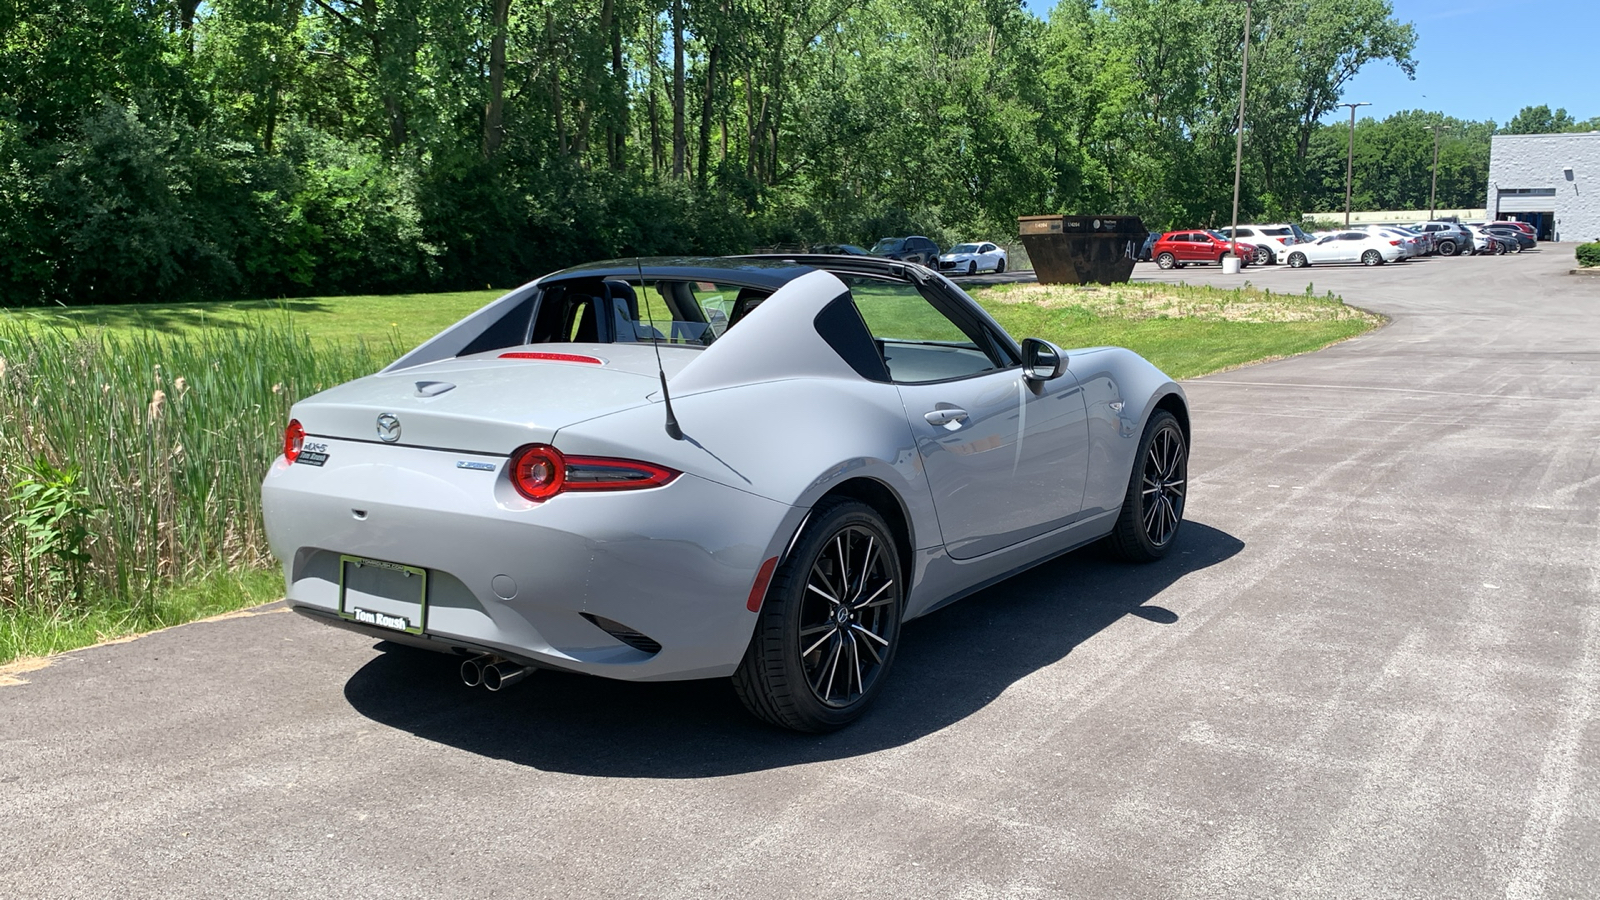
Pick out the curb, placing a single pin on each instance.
(1592, 271)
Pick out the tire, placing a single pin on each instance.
(1298, 261)
(1167, 261)
(1372, 258)
(847, 551)
(999, 267)
(1447, 248)
(972, 267)
(1263, 256)
(1144, 531)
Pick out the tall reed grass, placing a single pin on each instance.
(130, 464)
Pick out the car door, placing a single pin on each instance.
(990, 258)
(1190, 248)
(1006, 458)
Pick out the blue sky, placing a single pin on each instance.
(1545, 51)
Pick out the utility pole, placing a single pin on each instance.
(1238, 147)
(1432, 190)
(1350, 161)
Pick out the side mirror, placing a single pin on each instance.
(1041, 361)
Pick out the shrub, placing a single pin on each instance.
(1589, 254)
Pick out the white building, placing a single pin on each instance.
(1550, 181)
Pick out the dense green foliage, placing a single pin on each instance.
(1589, 254)
(158, 150)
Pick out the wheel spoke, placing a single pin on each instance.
(869, 634)
(830, 598)
(833, 653)
(868, 644)
(868, 603)
(833, 668)
(866, 569)
(855, 656)
(820, 641)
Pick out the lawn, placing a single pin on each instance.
(133, 438)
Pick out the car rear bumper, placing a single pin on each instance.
(545, 583)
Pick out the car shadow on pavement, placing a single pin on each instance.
(951, 664)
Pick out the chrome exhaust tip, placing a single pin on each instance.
(472, 669)
(502, 673)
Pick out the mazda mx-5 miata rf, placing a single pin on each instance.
(756, 467)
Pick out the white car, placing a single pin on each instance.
(1411, 245)
(1346, 247)
(970, 259)
(1272, 242)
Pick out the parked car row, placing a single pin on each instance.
(962, 259)
(1371, 245)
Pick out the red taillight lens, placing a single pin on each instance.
(294, 437)
(1394, 243)
(553, 357)
(539, 472)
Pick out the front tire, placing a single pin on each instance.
(1372, 258)
(1297, 261)
(1157, 488)
(1167, 261)
(972, 267)
(828, 628)
(1448, 248)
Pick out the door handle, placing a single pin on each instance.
(945, 415)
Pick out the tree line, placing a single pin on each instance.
(168, 149)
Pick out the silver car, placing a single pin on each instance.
(750, 467)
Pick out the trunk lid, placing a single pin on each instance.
(488, 403)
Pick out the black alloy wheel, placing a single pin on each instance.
(1152, 511)
(1448, 248)
(972, 267)
(828, 628)
(1167, 261)
(1297, 261)
(1372, 258)
(1000, 266)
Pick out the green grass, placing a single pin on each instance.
(133, 439)
(405, 319)
(26, 631)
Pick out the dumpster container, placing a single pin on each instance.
(1082, 249)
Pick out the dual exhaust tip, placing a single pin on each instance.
(492, 672)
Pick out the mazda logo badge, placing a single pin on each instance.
(388, 428)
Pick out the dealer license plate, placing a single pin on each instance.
(383, 594)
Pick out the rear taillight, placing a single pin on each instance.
(294, 437)
(1394, 243)
(540, 471)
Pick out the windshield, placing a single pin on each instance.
(964, 248)
(1220, 236)
(888, 245)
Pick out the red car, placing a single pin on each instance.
(1177, 249)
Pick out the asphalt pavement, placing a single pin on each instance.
(1370, 671)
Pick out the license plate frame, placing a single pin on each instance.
(383, 594)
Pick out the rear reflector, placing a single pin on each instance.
(553, 357)
(758, 591)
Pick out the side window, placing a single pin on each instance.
(916, 340)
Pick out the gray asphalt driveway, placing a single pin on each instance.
(1371, 671)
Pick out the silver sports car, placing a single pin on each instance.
(756, 467)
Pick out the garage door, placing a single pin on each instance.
(1526, 200)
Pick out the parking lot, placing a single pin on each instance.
(1370, 671)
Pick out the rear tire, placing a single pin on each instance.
(1447, 248)
(1263, 256)
(1372, 258)
(999, 267)
(828, 628)
(1152, 511)
(1167, 261)
(1297, 261)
